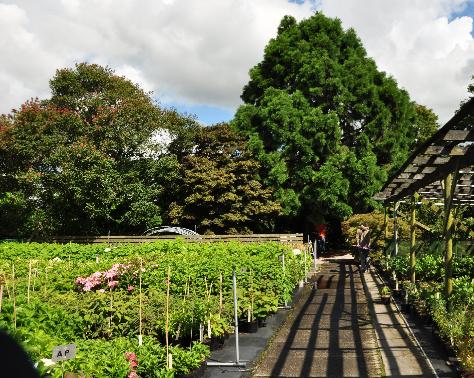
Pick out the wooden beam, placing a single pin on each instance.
(459, 135)
(461, 116)
(438, 174)
(445, 150)
(413, 238)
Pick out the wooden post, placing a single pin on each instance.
(449, 186)
(413, 238)
(395, 240)
(395, 231)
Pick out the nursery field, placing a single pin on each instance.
(149, 310)
(452, 320)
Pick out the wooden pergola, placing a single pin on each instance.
(442, 170)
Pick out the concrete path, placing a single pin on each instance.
(329, 333)
(402, 355)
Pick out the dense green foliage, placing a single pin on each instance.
(219, 187)
(79, 162)
(93, 159)
(320, 130)
(426, 123)
(326, 125)
(78, 293)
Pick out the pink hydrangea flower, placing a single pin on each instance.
(97, 279)
(130, 288)
(110, 274)
(113, 284)
(133, 374)
(80, 280)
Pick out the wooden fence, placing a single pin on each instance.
(251, 238)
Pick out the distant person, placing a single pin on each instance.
(363, 246)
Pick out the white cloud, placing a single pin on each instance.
(413, 41)
(185, 51)
(199, 52)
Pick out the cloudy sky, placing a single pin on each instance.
(195, 55)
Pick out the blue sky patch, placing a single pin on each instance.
(206, 114)
(468, 10)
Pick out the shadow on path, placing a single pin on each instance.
(330, 334)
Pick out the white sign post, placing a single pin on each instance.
(63, 353)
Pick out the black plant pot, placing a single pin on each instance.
(197, 373)
(217, 342)
(262, 322)
(397, 293)
(385, 299)
(405, 307)
(428, 321)
(248, 327)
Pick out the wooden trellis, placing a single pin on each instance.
(449, 150)
(442, 170)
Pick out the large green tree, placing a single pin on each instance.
(84, 161)
(426, 123)
(219, 190)
(326, 124)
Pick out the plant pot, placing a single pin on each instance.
(396, 293)
(248, 327)
(196, 373)
(405, 307)
(183, 341)
(385, 299)
(262, 322)
(217, 342)
(428, 321)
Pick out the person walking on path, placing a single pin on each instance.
(363, 246)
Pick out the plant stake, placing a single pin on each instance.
(29, 284)
(140, 337)
(220, 294)
(168, 356)
(14, 296)
(6, 285)
(1, 297)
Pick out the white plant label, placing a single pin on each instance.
(64, 352)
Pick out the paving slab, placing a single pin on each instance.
(329, 333)
(395, 334)
(401, 354)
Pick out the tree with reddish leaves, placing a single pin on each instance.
(79, 162)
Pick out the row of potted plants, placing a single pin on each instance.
(172, 294)
(452, 322)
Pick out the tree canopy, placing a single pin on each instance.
(325, 123)
(219, 186)
(89, 160)
(319, 131)
(78, 163)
